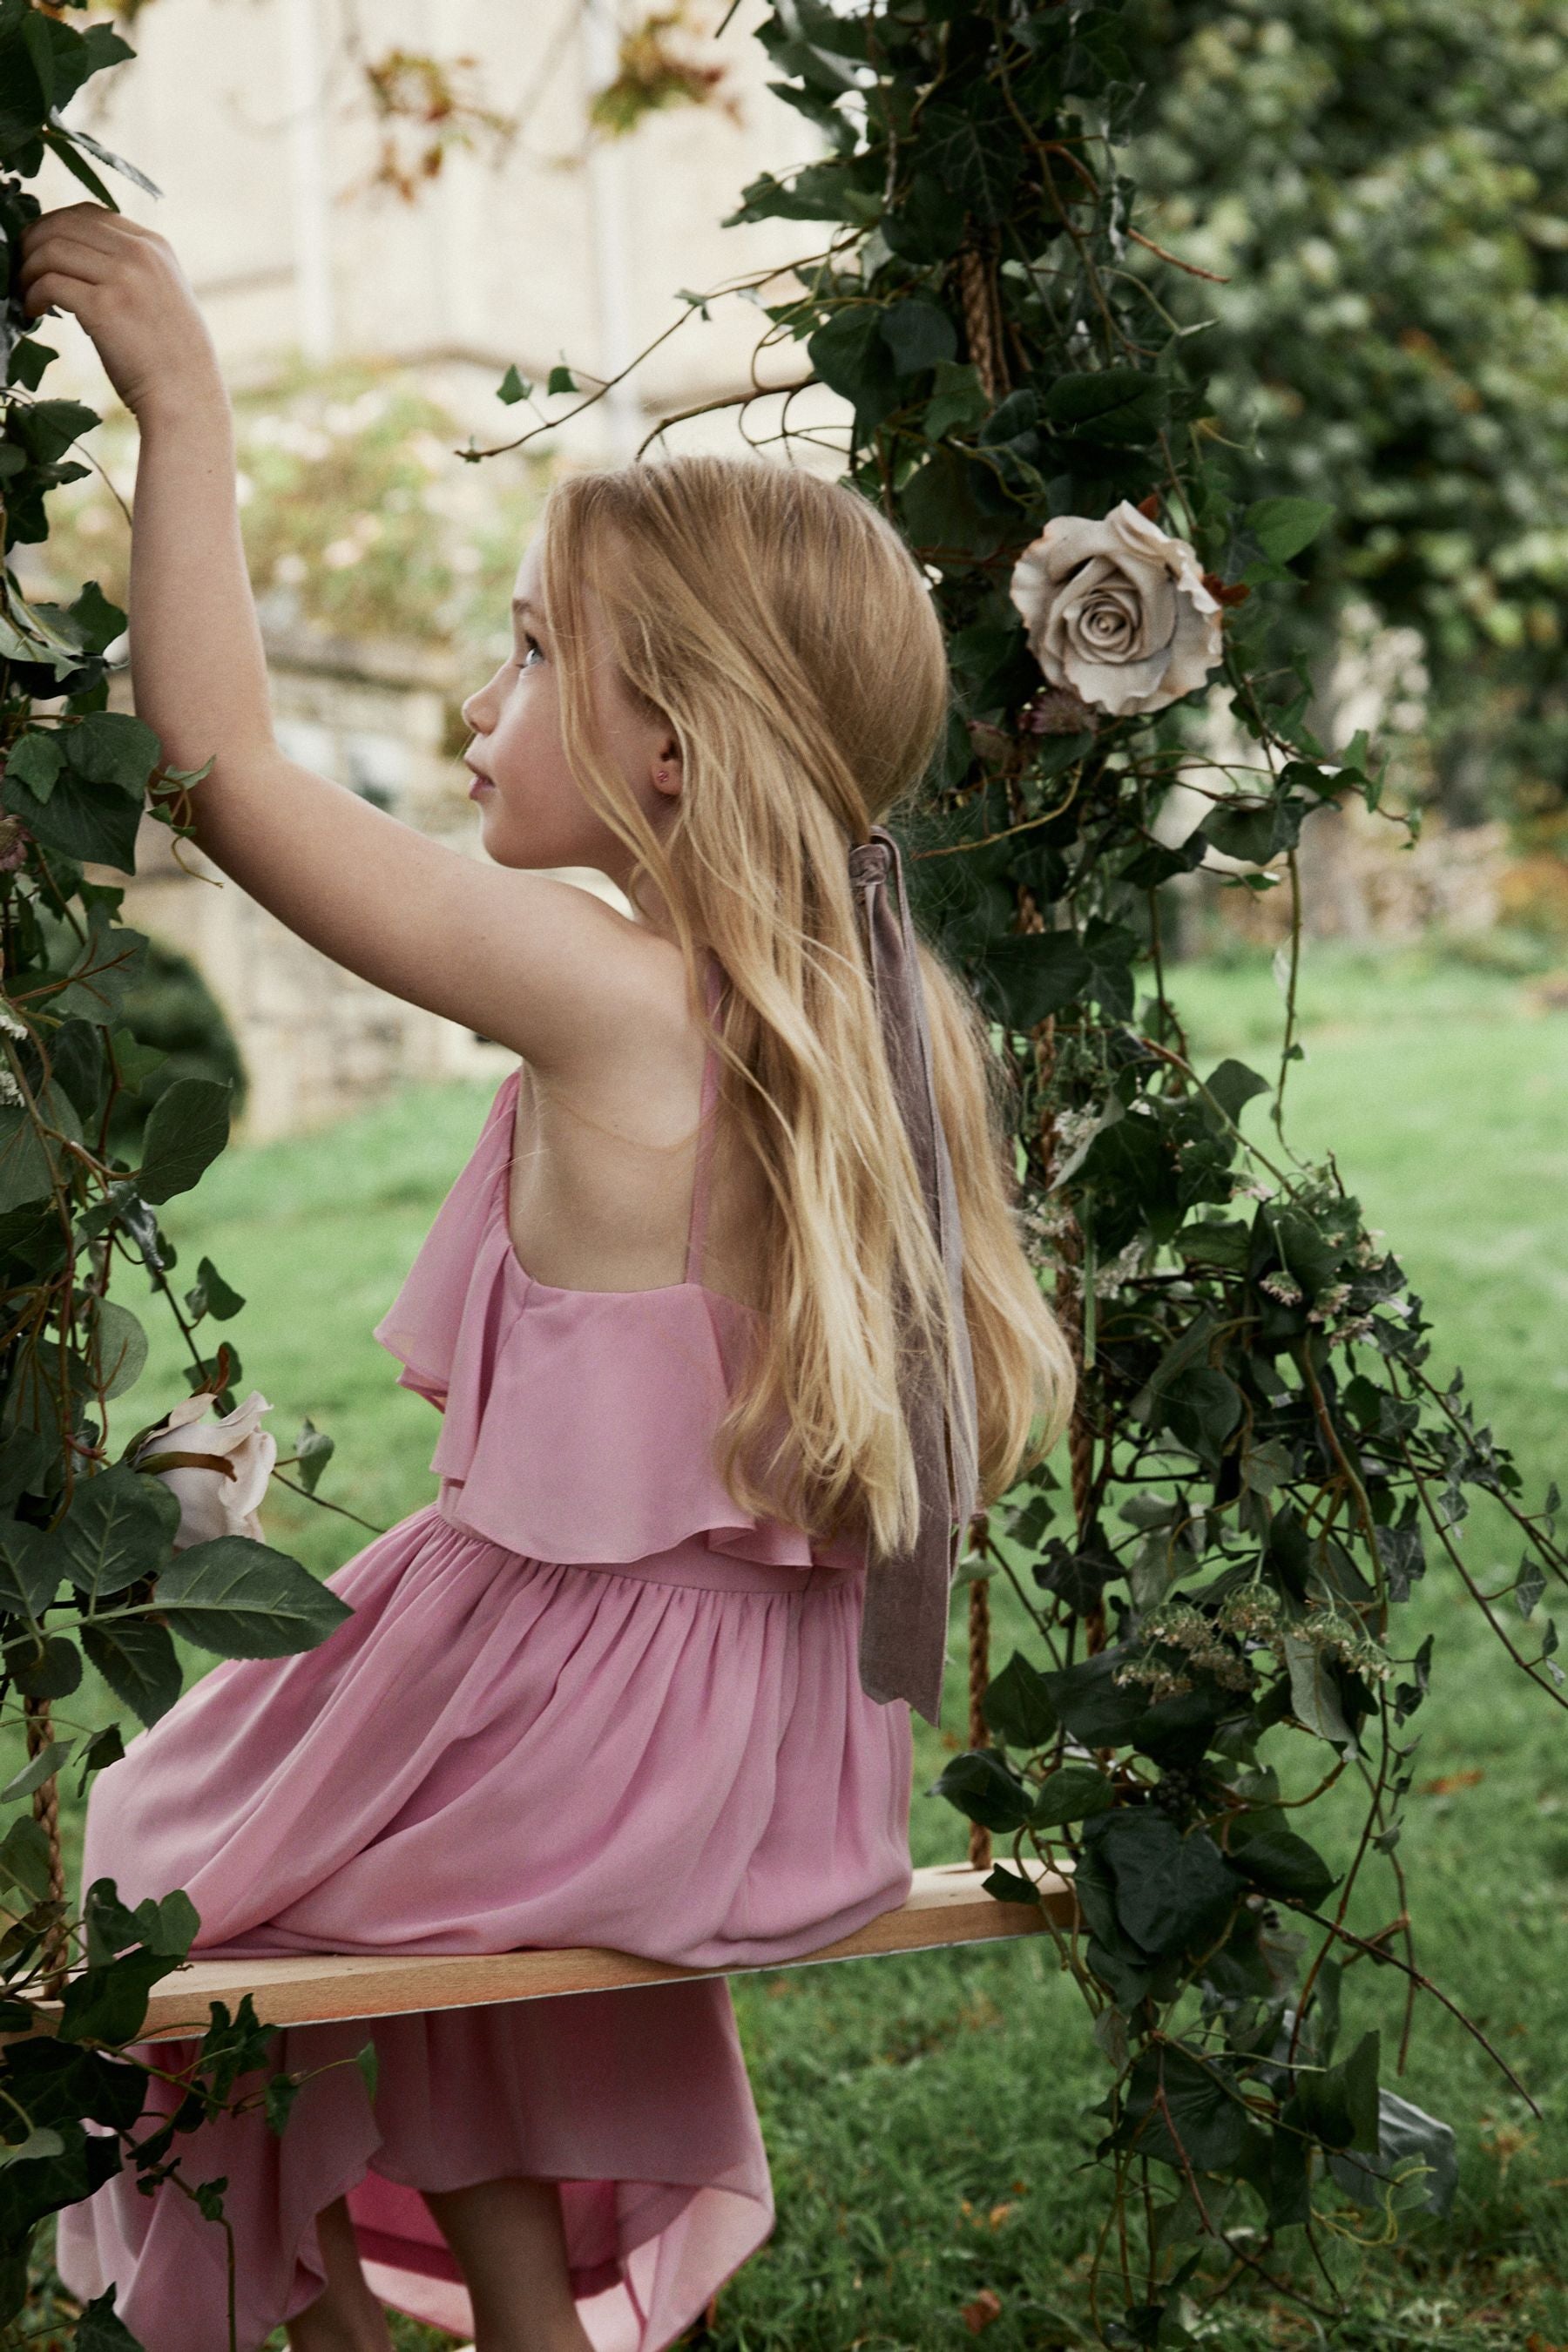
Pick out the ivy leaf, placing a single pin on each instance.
(93, 823)
(1283, 527)
(971, 154)
(849, 354)
(1233, 1086)
(1109, 949)
(1071, 1793)
(96, 621)
(109, 2003)
(1017, 1706)
(110, 965)
(1282, 1863)
(942, 505)
(1185, 2112)
(188, 1127)
(958, 403)
(983, 1789)
(27, 1166)
(512, 387)
(1107, 405)
(1174, 1891)
(1095, 1710)
(919, 336)
(1315, 1698)
(37, 760)
(100, 2328)
(313, 1450)
(110, 747)
(1531, 1584)
(1032, 974)
(1200, 1407)
(1253, 831)
(1338, 2105)
(1409, 2142)
(211, 1295)
(47, 428)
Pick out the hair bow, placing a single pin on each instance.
(903, 1626)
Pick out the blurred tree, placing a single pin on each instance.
(1385, 185)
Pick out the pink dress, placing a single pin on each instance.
(583, 1699)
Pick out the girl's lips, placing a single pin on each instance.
(480, 784)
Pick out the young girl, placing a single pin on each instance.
(639, 1676)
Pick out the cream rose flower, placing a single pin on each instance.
(1116, 610)
(219, 1495)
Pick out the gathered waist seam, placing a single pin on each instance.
(691, 1563)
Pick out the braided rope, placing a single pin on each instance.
(979, 1678)
(47, 1813)
(982, 322)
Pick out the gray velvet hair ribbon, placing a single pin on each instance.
(904, 1626)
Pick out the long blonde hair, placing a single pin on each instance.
(786, 635)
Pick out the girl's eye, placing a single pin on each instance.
(531, 647)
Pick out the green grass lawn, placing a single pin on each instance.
(931, 2120)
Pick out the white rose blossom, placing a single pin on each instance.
(1116, 610)
(222, 1500)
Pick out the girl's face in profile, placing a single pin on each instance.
(532, 813)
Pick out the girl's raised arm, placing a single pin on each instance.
(543, 968)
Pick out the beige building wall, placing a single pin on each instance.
(251, 116)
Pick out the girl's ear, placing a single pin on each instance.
(667, 766)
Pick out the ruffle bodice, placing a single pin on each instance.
(578, 1425)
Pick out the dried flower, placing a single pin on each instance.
(1117, 612)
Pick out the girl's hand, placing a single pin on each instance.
(124, 283)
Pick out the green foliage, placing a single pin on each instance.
(1262, 1466)
(89, 1564)
(1383, 191)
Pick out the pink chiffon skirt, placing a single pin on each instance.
(671, 1755)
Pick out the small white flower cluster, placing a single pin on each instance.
(1181, 1626)
(1254, 1614)
(13, 1026)
(1336, 1637)
(1280, 1287)
(1327, 1302)
(1069, 1128)
(1043, 1228)
(1127, 1263)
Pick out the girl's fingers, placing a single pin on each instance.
(53, 290)
(69, 256)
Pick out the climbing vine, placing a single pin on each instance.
(1261, 1466)
(92, 1564)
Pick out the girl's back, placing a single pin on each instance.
(605, 1171)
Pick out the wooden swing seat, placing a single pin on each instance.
(947, 1905)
